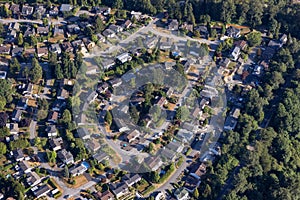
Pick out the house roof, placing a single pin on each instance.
(65, 7)
(64, 155)
(56, 142)
(24, 165)
(93, 145)
(101, 156)
(18, 153)
(130, 179)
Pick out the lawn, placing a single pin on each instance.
(79, 181)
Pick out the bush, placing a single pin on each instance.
(57, 195)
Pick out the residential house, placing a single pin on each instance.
(67, 47)
(107, 64)
(115, 28)
(30, 31)
(190, 127)
(13, 128)
(198, 170)
(109, 33)
(124, 57)
(235, 53)
(173, 25)
(27, 10)
(100, 157)
(28, 89)
(33, 179)
(186, 26)
(151, 42)
(77, 44)
(77, 170)
(16, 51)
(107, 195)
(160, 196)
(131, 179)
(225, 63)
(283, 39)
(11, 36)
(169, 65)
(154, 163)
(15, 9)
(42, 30)
(65, 8)
(93, 145)
(168, 154)
(53, 11)
(258, 69)
(16, 115)
(175, 146)
(181, 194)
(29, 52)
(101, 10)
(56, 143)
(88, 43)
(55, 48)
(274, 44)
(233, 32)
(115, 82)
(119, 189)
(73, 28)
(191, 183)
(53, 117)
(24, 166)
(5, 49)
(92, 97)
(165, 46)
(65, 156)
(231, 120)
(58, 32)
(203, 31)
(40, 11)
(102, 87)
(58, 105)
(136, 15)
(130, 137)
(42, 51)
(83, 133)
(242, 44)
(41, 190)
(14, 26)
(62, 94)
(127, 23)
(100, 37)
(18, 155)
(51, 130)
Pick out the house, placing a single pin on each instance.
(151, 42)
(41, 190)
(202, 30)
(107, 64)
(136, 15)
(77, 170)
(73, 28)
(56, 143)
(18, 155)
(102, 87)
(11, 36)
(42, 51)
(42, 30)
(5, 49)
(159, 196)
(67, 47)
(24, 166)
(77, 44)
(173, 25)
(101, 10)
(169, 65)
(92, 97)
(107, 195)
(40, 11)
(191, 183)
(131, 179)
(14, 26)
(33, 179)
(231, 120)
(233, 32)
(115, 82)
(154, 163)
(124, 57)
(115, 28)
(283, 39)
(109, 33)
(55, 48)
(119, 189)
(16, 115)
(83, 133)
(15, 9)
(100, 37)
(168, 154)
(28, 89)
(100, 157)
(13, 128)
(242, 44)
(225, 63)
(29, 32)
(88, 43)
(181, 194)
(65, 156)
(51, 130)
(132, 136)
(65, 8)
(235, 53)
(186, 26)
(190, 127)
(93, 145)
(22, 104)
(126, 24)
(198, 170)
(258, 69)
(62, 94)
(53, 117)
(27, 10)
(29, 52)
(165, 46)
(17, 51)
(53, 11)
(58, 32)
(175, 146)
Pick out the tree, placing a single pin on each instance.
(45, 21)
(58, 72)
(4, 131)
(66, 117)
(108, 118)
(118, 4)
(6, 90)
(227, 10)
(36, 72)
(51, 156)
(3, 148)
(20, 39)
(196, 193)
(66, 172)
(254, 38)
(182, 113)
(3, 119)
(14, 66)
